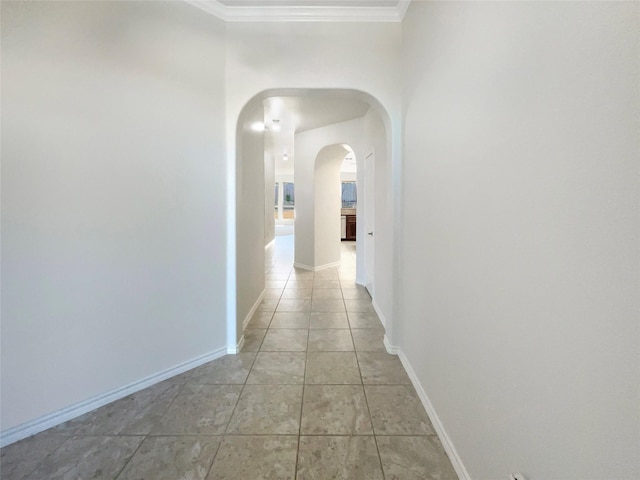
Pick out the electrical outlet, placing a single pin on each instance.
(517, 476)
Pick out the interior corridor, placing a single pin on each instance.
(313, 395)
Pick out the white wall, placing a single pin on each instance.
(327, 202)
(250, 201)
(113, 193)
(269, 197)
(348, 177)
(520, 248)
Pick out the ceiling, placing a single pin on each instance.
(309, 112)
(298, 114)
(310, 3)
(305, 10)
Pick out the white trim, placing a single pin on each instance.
(316, 269)
(238, 348)
(455, 459)
(67, 413)
(302, 13)
(303, 266)
(383, 319)
(247, 319)
(391, 349)
(327, 265)
(270, 243)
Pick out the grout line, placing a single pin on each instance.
(364, 391)
(215, 455)
(131, 457)
(304, 381)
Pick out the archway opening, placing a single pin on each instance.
(299, 128)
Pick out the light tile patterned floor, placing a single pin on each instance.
(313, 395)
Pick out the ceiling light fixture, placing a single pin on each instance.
(275, 125)
(285, 156)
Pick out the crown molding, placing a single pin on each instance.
(302, 13)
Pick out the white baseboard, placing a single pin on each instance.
(238, 348)
(316, 269)
(64, 414)
(303, 266)
(391, 349)
(381, 316)
(458, 466)
(247, 319)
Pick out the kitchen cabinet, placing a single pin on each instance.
(351, 227)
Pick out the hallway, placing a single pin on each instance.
(313, 395)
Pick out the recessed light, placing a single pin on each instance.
(275, 125)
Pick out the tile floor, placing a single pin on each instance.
(313, 395)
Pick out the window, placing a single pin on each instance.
(349, 195)
(288, 197)
(288, 201)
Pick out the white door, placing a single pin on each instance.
(369, 221)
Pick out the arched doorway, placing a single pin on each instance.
(366, 132)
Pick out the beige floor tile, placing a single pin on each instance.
(253, 339)
(267, 305)
(368, 340)
(88, 457)
(364, 320)
(262, 457)
(355, 294)
(338, 458)
(285, 340)
(321, 283)
(294, 305)
(277, 277)
(278, 368)
(331, 293)
(414, 458)
(290, 320)
(332, 368)
(267, 409)
(334, 340)
(169, 458)
(273, 293)
(19, 459)
(303, 293)
(199, 410)
(327, 305)
(230, 369)
(301, 273)
(306, 283)
(362, 306)
(348, 281)
(260, 320)
(327, 274)
(328, 320)
(335, 410)
(397, 410)
(382, 368)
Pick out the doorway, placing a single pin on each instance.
(338, 117)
